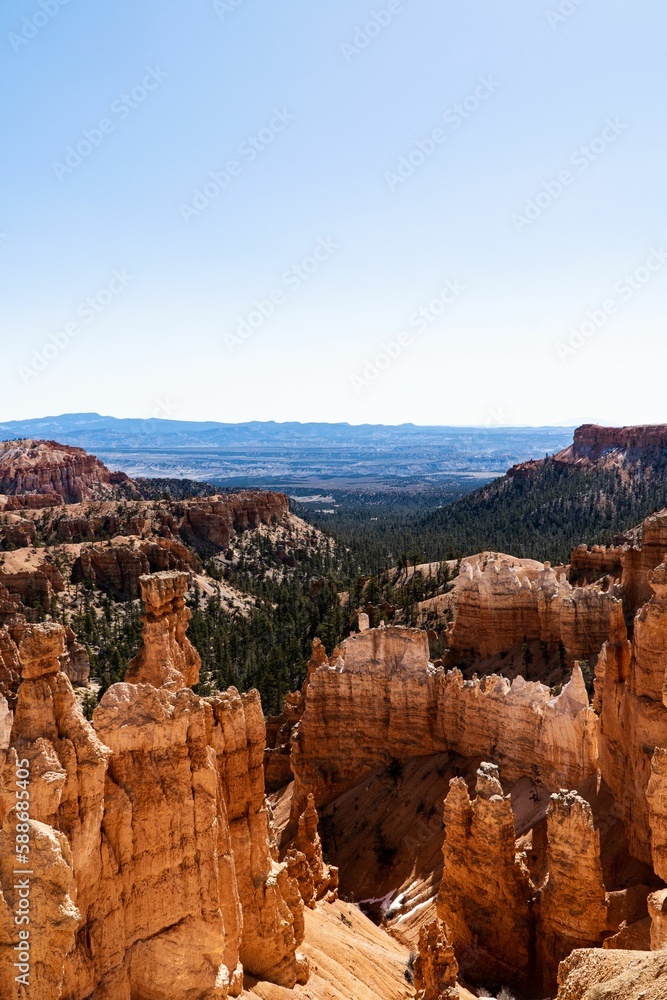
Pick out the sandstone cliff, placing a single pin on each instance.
(593, 443)
(45, 467)
(149, 833)
(501, 605)
(316, 879)
(436, 968)
(630, 687)
(574, 904)
(486, 892)
(613, 975)
(167, 658)
(380, 698)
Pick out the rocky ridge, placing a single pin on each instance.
(149, 830)
(56, 471)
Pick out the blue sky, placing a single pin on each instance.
(369, 158)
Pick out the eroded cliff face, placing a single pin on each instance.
(45, 467)
(305, 860)
(167, 658)
(574, 904)
(378, 697)
(67, 764)
(486, 891)
(436, 969)
(513, 918)
(613, 975)
(149, 836)
(631, 691)
(500, 606)
(277, 763)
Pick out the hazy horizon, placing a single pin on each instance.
(231, 423)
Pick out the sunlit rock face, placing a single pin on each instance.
(574, 905)
(167, 658)
(499, 604)
(150, 841)
(486, 892)
(378, 697)
(57, 470)
(633, 707)
(436, 968)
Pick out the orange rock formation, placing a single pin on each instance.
(436, 968)
(46, 467)
(380, 698)
(631, 691)
(574, 904)
(499, 605)
(486, 891)
(149, 832)
(316, 879)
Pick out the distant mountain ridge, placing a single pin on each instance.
(262, 450)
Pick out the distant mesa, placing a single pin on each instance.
(64, 473)
(607, 447)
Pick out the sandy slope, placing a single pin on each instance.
(358, 962)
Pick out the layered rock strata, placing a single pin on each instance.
(500, 606)
(46, 467)
(656, 795)
(167, 658)
(149, 833)
(630, 688)
(277, 766)
(316, 879)
(640, 561)
(380, 698)
(486, 892)
(574, 904)
(657, 908)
